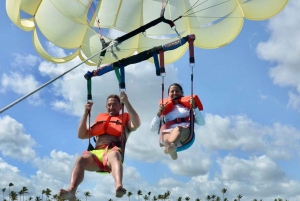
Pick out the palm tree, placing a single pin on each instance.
(223, 191)
(20, 193)
(167, 195)
(213, 197)
(160, 197)
(139, 192)
(3, 190)
(48, 193)
(218, 198)
(55, 197)
(187, 198)
(13, 196)
(146, 197)
(110, 199)
(43, 192)
(25, 190)
(239, 197)
(9, 185)
(179, 199)
(208, 197)
(197, 199)
(129, 194)
(87, 194)
(154, 198)
(38, 198)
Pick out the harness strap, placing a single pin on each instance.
(174, 121)
(106, 123)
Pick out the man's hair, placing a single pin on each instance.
(176, 84)
(113, 96)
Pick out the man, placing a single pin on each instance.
(106, 157)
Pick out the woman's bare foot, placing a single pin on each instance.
(172, 150)
(166, 145)
(67, 195)
(120, 191)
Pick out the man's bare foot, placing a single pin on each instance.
(67, 195)
(120, 191)
(172, 150)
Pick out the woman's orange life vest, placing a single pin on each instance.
(105, 124)
(184, 100)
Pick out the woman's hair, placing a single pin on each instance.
(114, 96)
(177, 85)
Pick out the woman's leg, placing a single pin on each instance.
(172, 139)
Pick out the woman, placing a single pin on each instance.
(176, 111)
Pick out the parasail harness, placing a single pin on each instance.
(120, 73)
(160, 71)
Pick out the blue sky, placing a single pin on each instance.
(250, 90)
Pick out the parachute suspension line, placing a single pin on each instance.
(114, 43)
(203, 8)
(103, 43)
(102, 54)
(193, 6)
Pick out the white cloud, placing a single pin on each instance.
(294, 101)
(258, 176)
(21, 84)
(283, 49)
(14, 142)
(239, 132)
(25, 62)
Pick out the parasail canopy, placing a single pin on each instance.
(78, 25)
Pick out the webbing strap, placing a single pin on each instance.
(191, 39)
(122, 80)
(120, 76)
(155, 58)
(162, 62)
(89, 89)
(174, 121)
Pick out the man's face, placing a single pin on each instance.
(113, 107)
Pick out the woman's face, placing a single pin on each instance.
(174, 92)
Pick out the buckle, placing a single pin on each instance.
(178, 120)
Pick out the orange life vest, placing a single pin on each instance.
(105, 124)
(184, 100)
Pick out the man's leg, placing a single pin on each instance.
(114, 162)
(84, 162)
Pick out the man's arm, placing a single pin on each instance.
(83, 131)
(134, 121)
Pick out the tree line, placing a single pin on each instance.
(19, 196)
